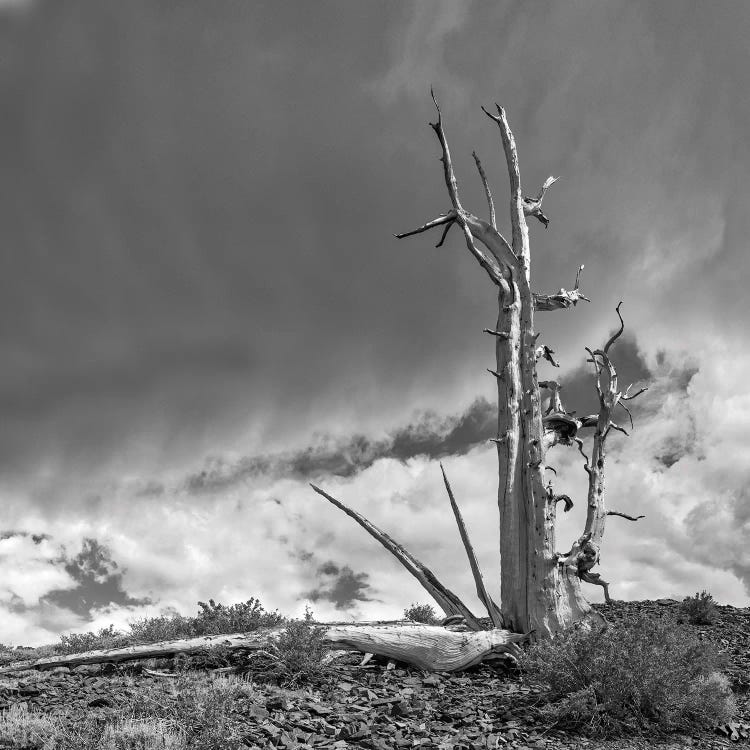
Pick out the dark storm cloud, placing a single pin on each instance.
(197, 202)
(99, 583)
(429, 435)
(340, 585)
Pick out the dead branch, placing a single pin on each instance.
(492, 609)
(623, 515)
(448, 218)
(490, 266)
(499, 334)
(487, 191)
(616, 335)
(563, 299)
(520, 235)
(544, 352)
(533, 206)
(448, 601)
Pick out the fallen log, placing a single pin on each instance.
(428, 647)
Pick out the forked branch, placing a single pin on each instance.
(448, 601)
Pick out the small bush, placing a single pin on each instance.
(75, 643)
(644, 674)
(700, 609)
(212, 619)
(300, 650)
(421, 613)
(163, 628)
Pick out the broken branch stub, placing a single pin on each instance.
(563, 299)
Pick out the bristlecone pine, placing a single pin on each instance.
(540, 588)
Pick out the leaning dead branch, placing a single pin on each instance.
(492, 609)
(487, 191)
(448, 601)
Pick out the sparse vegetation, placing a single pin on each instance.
(421, 613)
(201, 706)
(699, 609)
(212, 619)
(21, 728)
(75, 643)
(647, 673)
(643, 673)
(144, 734)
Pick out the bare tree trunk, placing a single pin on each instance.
(536, 593)
(540, 588)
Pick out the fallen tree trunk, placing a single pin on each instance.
(429, 647)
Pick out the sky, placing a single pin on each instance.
(203, 307)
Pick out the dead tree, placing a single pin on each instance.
(539, 588)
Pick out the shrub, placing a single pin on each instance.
(162, 628)
(643, 674)
(421, 613)
(212, 619)
(75, 643)
(700, 609)
(300, 650)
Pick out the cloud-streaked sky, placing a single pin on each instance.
(202, 305)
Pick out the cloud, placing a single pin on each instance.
(202, 265)
(429, 434)
(99, 584)
(341, 586)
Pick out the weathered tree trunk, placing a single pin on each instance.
(425, 646)
(536, 593)
(540, 588)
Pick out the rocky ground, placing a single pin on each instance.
(375, 707)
